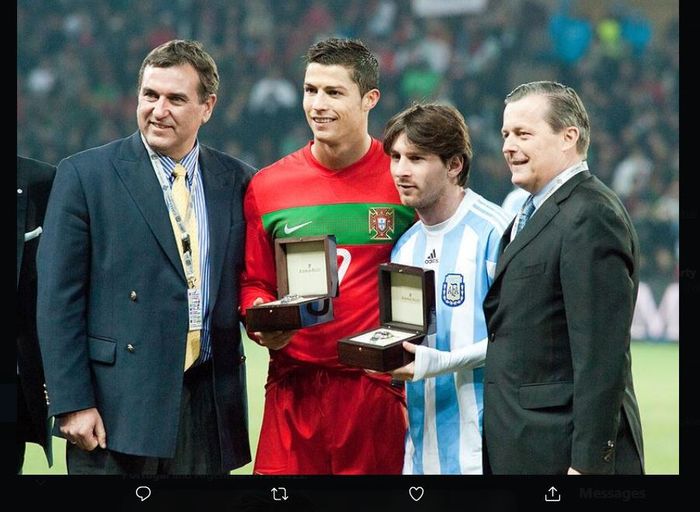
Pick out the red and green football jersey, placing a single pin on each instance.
(297, 196)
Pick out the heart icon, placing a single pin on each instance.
(416, 493)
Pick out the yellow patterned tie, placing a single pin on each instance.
(181, 197)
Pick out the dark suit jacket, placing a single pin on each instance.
(558, 370)
(34, 181)
(113, 303)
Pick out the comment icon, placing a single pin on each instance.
(143, 492)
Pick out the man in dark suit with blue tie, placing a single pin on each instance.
(34, 181)
(558, 394)
(131, 280)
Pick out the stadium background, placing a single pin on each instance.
(78, 61)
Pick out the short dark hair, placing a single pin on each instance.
(437, 129)
(565, 108)
(349, 53)
(178, 52)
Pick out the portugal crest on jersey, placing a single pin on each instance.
(453, 290)
(381, 223)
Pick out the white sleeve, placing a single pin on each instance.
(431, 362)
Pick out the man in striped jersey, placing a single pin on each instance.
(457, 237)
(322, 417)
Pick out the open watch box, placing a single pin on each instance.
(307, 278)
(406, 313)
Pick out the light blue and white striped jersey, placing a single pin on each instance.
(445, 411)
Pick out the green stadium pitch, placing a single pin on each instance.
(654, 365)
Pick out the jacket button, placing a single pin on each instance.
(492, 337)
(130, 348)
(243, 359)
(133, 296)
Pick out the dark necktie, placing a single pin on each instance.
(528, 210)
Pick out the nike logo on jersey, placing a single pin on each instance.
(289, 231)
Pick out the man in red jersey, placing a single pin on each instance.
(322, 417)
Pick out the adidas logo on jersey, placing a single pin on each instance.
(432, 258)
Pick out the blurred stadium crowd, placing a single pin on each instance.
(78, 61)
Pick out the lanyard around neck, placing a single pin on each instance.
(180, 220)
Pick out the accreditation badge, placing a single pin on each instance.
(194, 305)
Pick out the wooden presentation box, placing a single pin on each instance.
(307, 278)
(406, 313)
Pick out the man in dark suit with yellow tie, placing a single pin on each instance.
(138, 287)
(558, 392)
(34, 181)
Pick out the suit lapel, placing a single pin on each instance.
(22, 211)
(217, 194)
(537, 223)
(136, 172)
